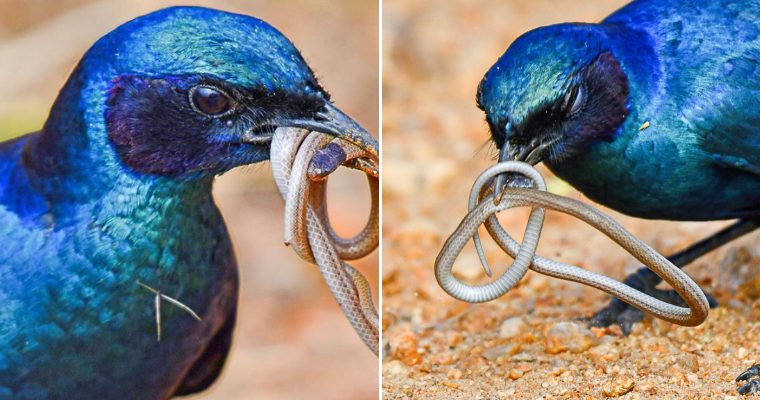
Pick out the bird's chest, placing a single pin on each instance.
(117, 302)
(168, 263)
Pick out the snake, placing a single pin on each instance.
(301, 162)
(483, 206)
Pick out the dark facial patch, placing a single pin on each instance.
(156, 130)
(606, 101)
(604, 87)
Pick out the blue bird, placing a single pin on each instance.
(106, 213)
(654, 112)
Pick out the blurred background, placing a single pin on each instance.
(292, 341)
(435, 143)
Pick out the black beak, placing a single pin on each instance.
(531, 153)
(335, 122)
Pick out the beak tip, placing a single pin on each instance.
(335, 122)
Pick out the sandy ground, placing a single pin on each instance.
(526, 344)
(292, 341)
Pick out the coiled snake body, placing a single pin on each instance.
(483, 207)
(301, 161)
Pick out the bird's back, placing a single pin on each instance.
(690, 147)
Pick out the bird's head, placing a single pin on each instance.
(554, 91)
(192, 92)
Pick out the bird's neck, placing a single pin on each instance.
(72, 165)
(635, 51)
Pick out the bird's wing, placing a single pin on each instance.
(726, 116)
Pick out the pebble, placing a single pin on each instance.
(403, 347)
(734, 264)
(742, 353)
(569, 336)
(618, 386)
(454, 374)
(395, 368)
(526, 357)
(452, 385)
(512, 327)
(494, 353)
(604, 352)
(515, 374)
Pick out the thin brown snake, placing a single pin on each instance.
(302, 182)
(483, 207)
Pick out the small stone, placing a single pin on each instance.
(452, 385)
(494, 353)
(454, 374)
(738, 269)
(403, 346)
(604, 352)
(618, 386)
(569, 336)
(524, 357)
(445, 358)
(523, 367)
(512, 327)
(598, 332)
(616, 330)
(515, 374)
(751, 287)
(395, 368)
(742, 353)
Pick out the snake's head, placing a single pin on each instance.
(336, 153)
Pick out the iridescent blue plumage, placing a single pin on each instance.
(691, 74)
(115, 191)
(654, 112)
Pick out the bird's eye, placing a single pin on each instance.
(210, 101)
(574, 99)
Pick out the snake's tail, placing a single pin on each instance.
(481, 254)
